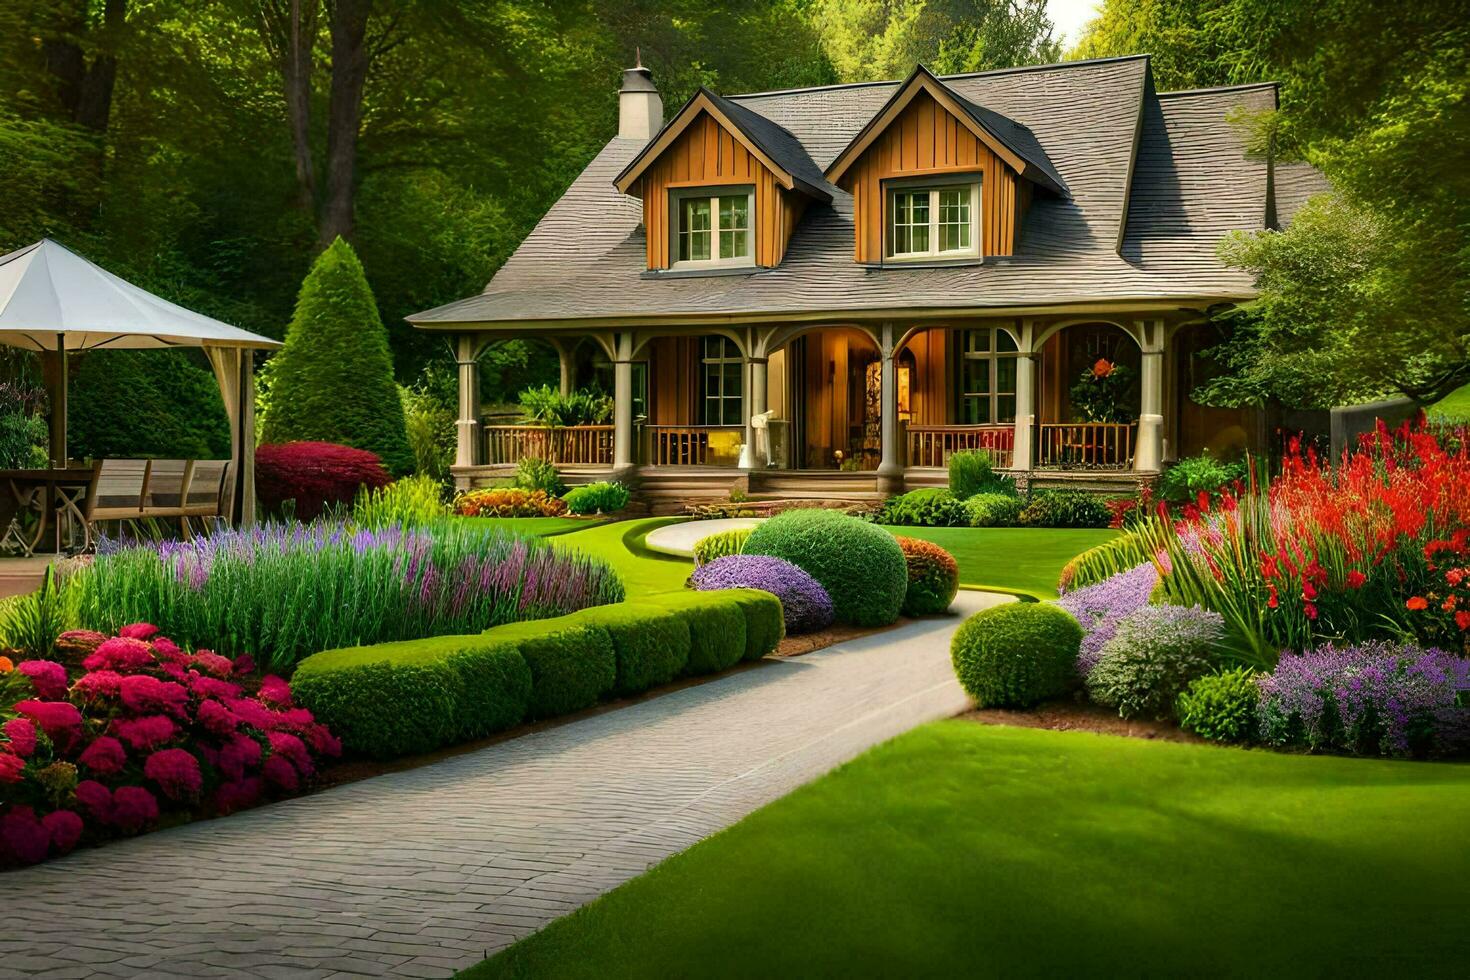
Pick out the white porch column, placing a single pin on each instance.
(1148, 456)
(622, 403)
(755, 402)
(890, 466)
(1025, 398)
(467, 428)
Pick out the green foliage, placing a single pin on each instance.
(1102, 393)
(1152, 657)
(651, 643)
(136, 404)
(411, 502)
(928, 507)
(934, 577)
(765, 622)
(32, 622)
(428, 420)
(546, 405)
(994, 510)
(859, 564)
(717, 630)
(721, 545)
(1049, 507)
(1016, 654)
(572, 664)
(334, 378)
(23, 440)
(534, 473)
(971, 471)
(1103, 561)
(1221, 706)
(1185, 479)
(603, 497)
(394, 699)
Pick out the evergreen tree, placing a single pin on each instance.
(333, 381)
(135, 404)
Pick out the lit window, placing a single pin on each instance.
(933, 222)
(724, 374)
(713, 229)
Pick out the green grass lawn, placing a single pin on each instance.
(621, 543)
(541, 527)
(1011, 559)
(1455, 405)
(961, 849)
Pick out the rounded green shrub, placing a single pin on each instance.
(651, 643)
(572, 664)
(934, 577)
(534, 473)
(1017, 654)
(721, 545)
(716, 628)
(603, 497)
(993, 510)
(1221, 706)
(972, 471)
(928, 507)
(859, 564)
(1064, 508)
(1152, 657)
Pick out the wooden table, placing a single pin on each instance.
(59, 491)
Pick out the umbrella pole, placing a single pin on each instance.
(55, 362)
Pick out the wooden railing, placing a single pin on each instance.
(693, 445)
(1085, 445)
(932, 445)
(573, 444)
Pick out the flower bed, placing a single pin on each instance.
(140, 731)
(805, 605)
(509, 502)
(288, 591)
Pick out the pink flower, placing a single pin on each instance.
(166, 649)
(104, 756)
(244, 664)
(133, 808)
(253, 713)
(215, 718)
(213, 663)
(212, 687)
(47, 677)
(322, 741)
(274, 691)
(11, 767)
(60, 720)
(65, 829)
(237, 795)
(96, 799)
(122, 654)
(176, 772)
(139, 631)
(149, 695)
(22, 735)
(241, 753)
(98, 684)
(280, 772)
(144, 733)
(22, 838)
(288, 745)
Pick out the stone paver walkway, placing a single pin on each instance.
(424, 872)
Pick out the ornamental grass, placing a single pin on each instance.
(286, 591)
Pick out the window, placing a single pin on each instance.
(713, 228)
(934, 222)
(602, 380)
(723, 373)
(987, 377)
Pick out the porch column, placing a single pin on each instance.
(622, 403)
(755, 455)
(467, 428)
(890, 466)
(1149, 453)
(1025, 399)
(564, 360)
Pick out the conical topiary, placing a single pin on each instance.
(333, 380)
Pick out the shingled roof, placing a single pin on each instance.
(1153, 181)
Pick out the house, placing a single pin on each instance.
(827, 291)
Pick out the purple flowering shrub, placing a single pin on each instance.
(804, 603)
(1101, 607)
(1371, 699)
(1154, 654)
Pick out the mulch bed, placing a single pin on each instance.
(1081, 716)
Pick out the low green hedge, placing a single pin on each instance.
(393, 699)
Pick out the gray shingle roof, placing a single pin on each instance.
(778, 144)
(1127, 232)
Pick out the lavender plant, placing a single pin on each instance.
(805, 605)
(1100, 608)
(1372, 699)
(284, 591)
(1153, 655)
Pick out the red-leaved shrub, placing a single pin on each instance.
(315, 475)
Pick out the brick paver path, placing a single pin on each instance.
(423, 872)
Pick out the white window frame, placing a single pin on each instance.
(891, 189)
(677, 197)
(725, 352)
(990, 356)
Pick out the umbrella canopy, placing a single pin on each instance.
(51, 298)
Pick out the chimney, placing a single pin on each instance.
(640, 110)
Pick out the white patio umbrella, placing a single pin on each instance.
(54, 301)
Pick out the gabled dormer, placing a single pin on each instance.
(936, 178)
(722, 189)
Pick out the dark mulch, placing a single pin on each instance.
(1081, 716)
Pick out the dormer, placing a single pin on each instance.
(937, 179)
(722, 189)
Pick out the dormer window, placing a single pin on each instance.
(929, 222)
(713, 227)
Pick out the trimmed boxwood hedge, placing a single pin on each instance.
(1017, 654)
(859, 564)
(411, 696)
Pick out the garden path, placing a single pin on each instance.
(423, 872)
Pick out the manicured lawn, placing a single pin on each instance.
(1012, 559)
(643, 571)
(1455, 405)
(541, 527)
(961, 850)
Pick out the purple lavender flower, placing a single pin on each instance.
(805, 605)
(1372, 699)
(1101, 607)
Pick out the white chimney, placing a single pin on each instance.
(640, 110)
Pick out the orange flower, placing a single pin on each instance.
(6, 666)
(1416, 603)
(1102, 368)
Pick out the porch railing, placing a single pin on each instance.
(692, 445)
(932, 445)
(1084, 445)
(570, 445)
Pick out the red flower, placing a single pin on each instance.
(47, 677)
(1102, 368)
(1272, 602)
(1417, 603)
(133, 807)
(105, 755)
(1310, 609)
(60, 720)
(1462, 619)
(1355, 579)
(11, 767)
(1455, 576)
(1309, 592)
(65, 828)
(176, 772)
(22, 735)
